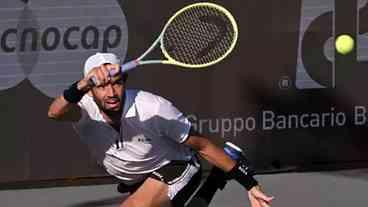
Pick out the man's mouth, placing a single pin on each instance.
(112, 102)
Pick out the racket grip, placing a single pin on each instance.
(93, 81)
(128, 66)
(124, 68)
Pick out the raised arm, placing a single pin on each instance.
(65, 107)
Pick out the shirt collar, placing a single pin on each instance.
(129, 106)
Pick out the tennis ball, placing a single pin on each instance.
(344, 44)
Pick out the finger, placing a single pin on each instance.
(258, 202)
(265, 198)
(259, 194)
(114, 69)
(105, 71)
(253, 201)
(264, 204)
(92, 78)
(268, 199)
(102, 75)
(92, 81)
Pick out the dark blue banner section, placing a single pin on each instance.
(284, 94)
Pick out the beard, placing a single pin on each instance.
(104, 105)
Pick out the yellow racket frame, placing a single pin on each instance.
(134, 63)
(172, 61)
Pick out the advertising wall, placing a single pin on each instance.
(283, 94)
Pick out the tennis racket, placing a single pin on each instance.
(197, 36)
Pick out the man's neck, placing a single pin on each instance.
(113, 118)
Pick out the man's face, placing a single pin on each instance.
(109, 97)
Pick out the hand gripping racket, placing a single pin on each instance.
(196, 36)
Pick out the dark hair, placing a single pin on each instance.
(124, 77)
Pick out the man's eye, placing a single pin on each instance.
(117, 82)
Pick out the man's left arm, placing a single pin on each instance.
(216, 156)
(211, 152)
(172, 123)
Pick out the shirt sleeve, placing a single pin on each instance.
(171, 122)
(89, 108)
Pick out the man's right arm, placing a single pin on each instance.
(61, 110)
(65, 107)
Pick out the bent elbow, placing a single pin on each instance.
(53, 115)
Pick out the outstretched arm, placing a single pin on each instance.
(209, 151)
(218, 157)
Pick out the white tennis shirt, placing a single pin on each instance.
(152, 130)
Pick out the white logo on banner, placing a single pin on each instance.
(313, 11)
(47, 41)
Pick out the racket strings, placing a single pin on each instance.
(184, 40)
(199, 35)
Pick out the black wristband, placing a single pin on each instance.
(240, 172)
(73, 94)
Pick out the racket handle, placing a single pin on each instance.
(124, 68)
(128, 66)
(93, 81)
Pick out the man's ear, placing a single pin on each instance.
(90, 93)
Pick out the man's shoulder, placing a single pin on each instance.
(147, 103)
(86, 101)
(141, 97)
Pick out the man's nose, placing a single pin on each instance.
(110, 90)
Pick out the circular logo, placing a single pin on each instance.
(48, 41)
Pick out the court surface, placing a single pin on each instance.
(317, 189)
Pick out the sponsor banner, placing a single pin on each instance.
(283, 94)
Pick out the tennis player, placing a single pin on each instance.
(142, 139)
